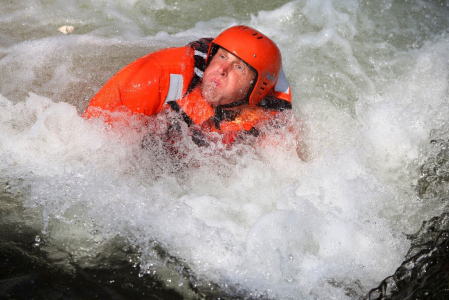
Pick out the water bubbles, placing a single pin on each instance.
(37, 241)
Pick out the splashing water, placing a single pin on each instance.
(324, 219)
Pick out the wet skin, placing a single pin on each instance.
(227, 79)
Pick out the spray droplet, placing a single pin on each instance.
(66, 29)
(37, 240)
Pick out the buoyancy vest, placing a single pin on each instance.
(235, 118)
(171, 78)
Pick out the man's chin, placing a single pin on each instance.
(210, 95)
(212, 102)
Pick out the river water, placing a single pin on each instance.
(87, 212)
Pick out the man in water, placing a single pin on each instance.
(227, 85)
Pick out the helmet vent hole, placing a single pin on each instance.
(260, 37)
(264, 83)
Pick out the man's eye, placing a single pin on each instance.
(240, 68)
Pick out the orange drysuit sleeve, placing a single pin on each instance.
(142, 86)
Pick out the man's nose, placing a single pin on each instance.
(224, 68)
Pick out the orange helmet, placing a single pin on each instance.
(255, 49)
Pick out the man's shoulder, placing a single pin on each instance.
(200, 49)
(201, 45)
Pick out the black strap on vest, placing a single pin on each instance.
(175, 106)
(222, 114)
(202, 46)
(273, 103)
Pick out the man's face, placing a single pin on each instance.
(227, 79)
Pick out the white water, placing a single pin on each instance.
(370, 82)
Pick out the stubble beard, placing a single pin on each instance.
(209, 91)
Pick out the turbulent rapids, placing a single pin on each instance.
(349, 203)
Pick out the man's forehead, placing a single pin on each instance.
(233, 55)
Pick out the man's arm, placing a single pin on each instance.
(135, 88)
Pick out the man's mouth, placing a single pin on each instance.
(216, 82)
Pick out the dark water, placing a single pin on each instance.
(425, 272)
(27, 273)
